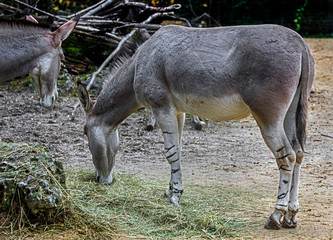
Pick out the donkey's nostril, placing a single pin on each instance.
(97, 178)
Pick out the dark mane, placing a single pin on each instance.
(20, 26)
(127, 52)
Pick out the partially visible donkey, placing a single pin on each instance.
(221, 74)
(30, 48)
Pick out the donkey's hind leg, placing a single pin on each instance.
(276, 139)
(289, 220)
(171, 125)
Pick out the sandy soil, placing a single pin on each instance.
(227, 152)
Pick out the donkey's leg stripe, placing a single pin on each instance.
(283, 156)
(167, 133)
(168, 149)
(282, 205)
(279, 150)
(175, 190)
(174, 160)
(285, 181)
(283, 195)
(171, 155)
(285, 169)
(281, 210)
(174, 171)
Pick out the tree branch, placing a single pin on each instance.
(41, 11)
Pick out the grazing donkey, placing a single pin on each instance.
(30, 48)
(222, 73)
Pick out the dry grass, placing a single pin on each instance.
(136, 209)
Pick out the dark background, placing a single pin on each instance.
(308, 17)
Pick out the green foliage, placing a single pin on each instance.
(299, 15)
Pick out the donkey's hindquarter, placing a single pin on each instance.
(222, 74)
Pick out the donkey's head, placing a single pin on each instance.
(103, 140)
(45, 74)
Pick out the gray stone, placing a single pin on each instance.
(30, 178)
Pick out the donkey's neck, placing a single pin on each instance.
(117, 99)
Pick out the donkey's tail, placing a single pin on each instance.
(306, 80)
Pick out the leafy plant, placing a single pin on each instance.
(299, 15)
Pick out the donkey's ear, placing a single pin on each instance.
(63, 31)
(85, 100)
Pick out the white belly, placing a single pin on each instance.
(217, 109)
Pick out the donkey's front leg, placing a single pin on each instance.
(171, 127)
(175, 185)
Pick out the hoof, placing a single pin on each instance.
(168, 193)
(150, 128)
(272, 224)
(174, 201)
(198, 126)
(290, 224)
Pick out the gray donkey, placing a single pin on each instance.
(224, 73)
(31, 48)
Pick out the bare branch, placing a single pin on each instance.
(107, 23)
(99, 8)
(5, 6)
(324, 135)
(87, 9)
(41, 11)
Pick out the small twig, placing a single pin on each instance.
(324, 135)
(41, 11)
(100, 7)
(96, 30)
(5, 6)
(147, 7)
(123, 24)
(87, 9)
(106, 39)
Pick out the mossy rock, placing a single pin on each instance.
(30, 179)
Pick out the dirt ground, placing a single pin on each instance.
(227, 152)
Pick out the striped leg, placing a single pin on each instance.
(289, 220)
(277, 141)
(171, 127)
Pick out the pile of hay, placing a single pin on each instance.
(31, 182)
